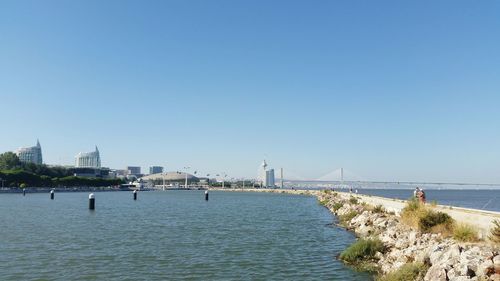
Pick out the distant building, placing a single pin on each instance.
(170, 178)
(30, 154)
(269, 178)
(92, 172)
(88, 159)
(133, 170)
(265, 177)
(155, 170)
(261, 174)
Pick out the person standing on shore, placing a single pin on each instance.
(421, 196)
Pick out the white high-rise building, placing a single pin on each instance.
(30, 154)
(265, 177)
(88, 159)
(270, 178)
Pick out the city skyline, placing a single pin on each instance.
(390, 91)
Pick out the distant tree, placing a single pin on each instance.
(9, 161)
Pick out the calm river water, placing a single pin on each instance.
(172, 235)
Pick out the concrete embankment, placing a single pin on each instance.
(443, 257)
(482, 220)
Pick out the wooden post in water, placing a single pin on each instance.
(52, 194)
(135, 194)
(206, 195)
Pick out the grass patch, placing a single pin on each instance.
(353, 200)
(361, 251)
(323, 202)
(378, 209)
(412, 212)
(495, 232)
(432, 219)
(337, 206)
(408, 272)
(419, 216)
(344, 219)
(465, 233)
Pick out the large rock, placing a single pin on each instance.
(486, 268)
(460, 270)
(495, 277)
(436, 273)
(496, 260)
(364, 230)
(435, 254)
(461, 278)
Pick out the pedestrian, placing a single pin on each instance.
(416, 192)
(422, 196)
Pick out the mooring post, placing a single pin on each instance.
(91, 201)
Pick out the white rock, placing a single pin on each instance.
(435, 273)
(496, 260)
(459, 278)
(495, 277)
(485, 268)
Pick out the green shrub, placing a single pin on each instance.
(432, 219)
(323, 202)
(465, 233)
(344, 219)
(361, 251)
(378, 209)
(353, 200)
(495, 232)
(419, 216)
(337, 206)
(408, 272)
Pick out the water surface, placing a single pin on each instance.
(173, 235)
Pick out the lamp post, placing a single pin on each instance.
(186, 181)
(223, 179)
(164, 175)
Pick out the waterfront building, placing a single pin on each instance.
(92, 172)
(30, 154)
(155, 170)
(133, 170)
(88, 159)
(269, 178)
(170, 178)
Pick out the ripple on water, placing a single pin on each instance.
(172, 235)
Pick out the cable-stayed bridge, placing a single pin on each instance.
(343, 176)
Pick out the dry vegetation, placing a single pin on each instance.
(425, 219)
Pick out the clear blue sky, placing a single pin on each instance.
(390, 90)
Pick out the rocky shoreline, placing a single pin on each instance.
(444, 258)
